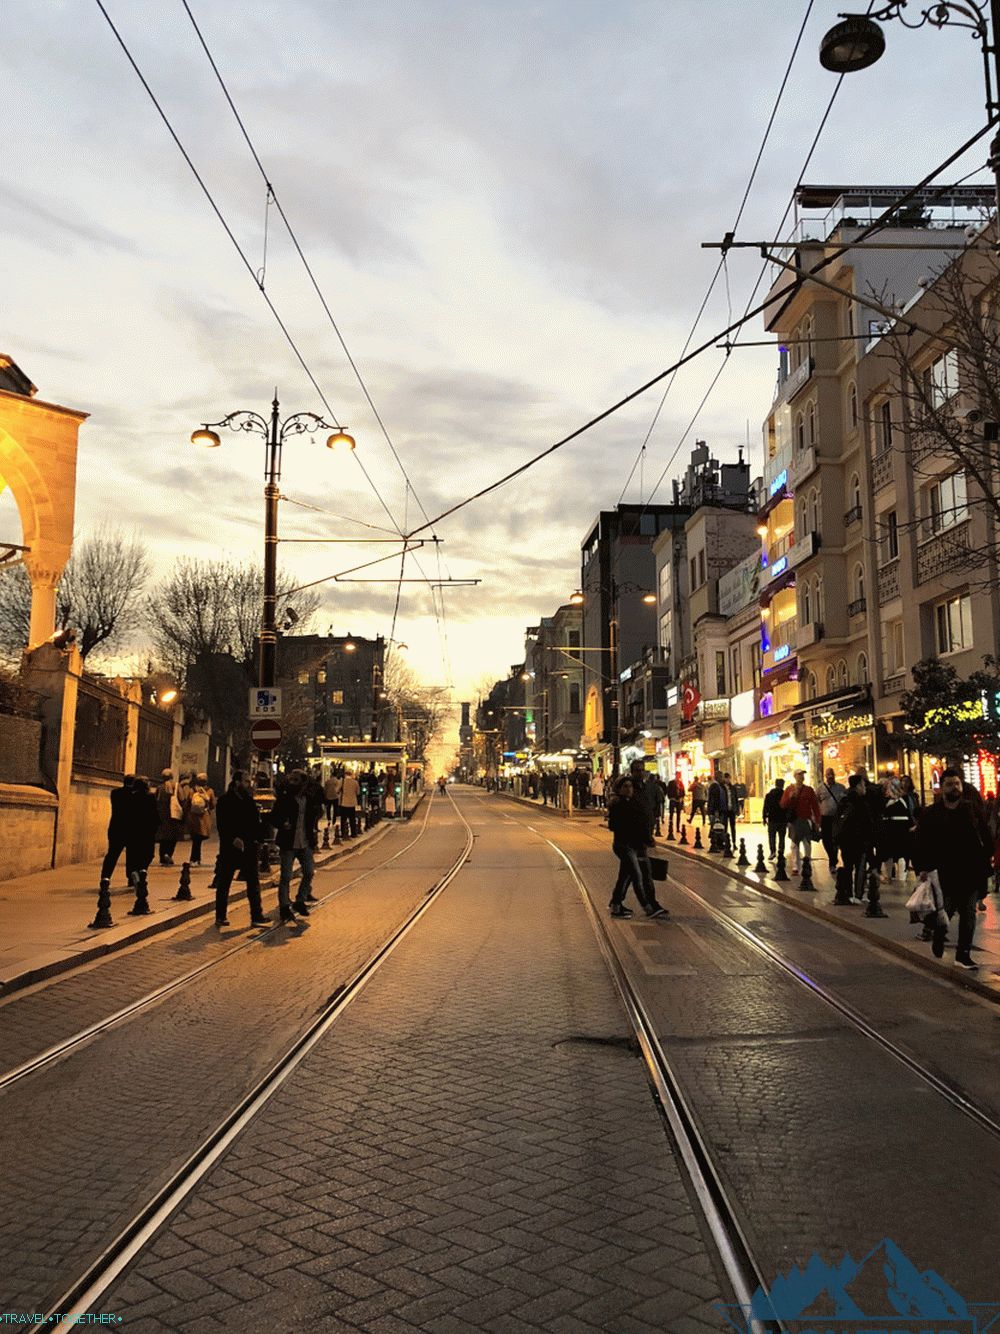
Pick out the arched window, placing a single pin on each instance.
(858, 583)
(831, 679)
(814, 510)
(855, 491)
(818, 597)
(805, 603)
(862, 671)
(800, 433)
(808, 335)
(811, 424)
(800, 518)
(842, 675)
(852, 406)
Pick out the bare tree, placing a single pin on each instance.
(100, 594)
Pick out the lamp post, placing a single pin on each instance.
(858, 42)
(274, 433)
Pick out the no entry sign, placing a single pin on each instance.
(266, 734)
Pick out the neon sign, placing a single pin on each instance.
(782, 652)
(779, 567)
(780, 481)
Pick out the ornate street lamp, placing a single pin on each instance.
(858, 42)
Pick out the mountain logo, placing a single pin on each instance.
(882, 1293)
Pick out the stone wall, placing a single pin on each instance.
(28, 820)
(20, 749)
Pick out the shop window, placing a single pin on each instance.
(953, 624)
(861, 675)
(945, 503)
(852, 406)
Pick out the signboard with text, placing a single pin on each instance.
(265, 701)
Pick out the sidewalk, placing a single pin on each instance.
(44, 917)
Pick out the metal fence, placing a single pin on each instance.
(155, 742)
(101, 728)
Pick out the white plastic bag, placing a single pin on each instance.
(922, 898)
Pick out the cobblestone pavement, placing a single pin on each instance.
(38, 1018)
(827, 1143)
(472, 1147)
(85, 1141)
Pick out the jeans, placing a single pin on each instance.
(634, 869)
(697, 806)
(196, 841)
(350, 826)
(776, 837)
(229, 861)
(167, 846)
(288, 856)
(674, 815)
(962, 902)
(138, 855)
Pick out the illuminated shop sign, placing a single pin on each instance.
(782, 652)
(779, 567)
(831, 724)
(780, 481)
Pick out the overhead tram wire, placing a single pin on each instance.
(722, 261)
(872, 229)
(273, 197)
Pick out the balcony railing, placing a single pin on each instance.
(853, 515)
(888, 582)
(894, 683)
(882, 470)
(944, 553)
(856, 607)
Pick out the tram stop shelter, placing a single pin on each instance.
(388, 758)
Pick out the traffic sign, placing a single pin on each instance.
(266, 734)
(265, 701)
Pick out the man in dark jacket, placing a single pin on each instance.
(132, 829)
(775, 818)
(854, 826)
(240, 831)
(953, 840)
(632, 837)
(295, 816)
(675, 798)
(722, 805)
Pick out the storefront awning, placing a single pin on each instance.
(778, 722)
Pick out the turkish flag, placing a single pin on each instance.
(689, 702)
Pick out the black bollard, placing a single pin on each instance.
(326, 837)
(761, 867)
(683, 838)
(697, 839)
(844, 886)
(184, 894)
(670, 834)
(743, 859)
(727, 847)
(103, 917)
(874, 908)
(141, 906)
(806, 883)
(336, 835)
(780, 874)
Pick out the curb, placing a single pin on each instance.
(927, 963)
(101, 948)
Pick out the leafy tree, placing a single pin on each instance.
(100, 594)
(946, 715)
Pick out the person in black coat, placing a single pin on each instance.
(854, 827)
(953, 840)
(296, 816)
(775, 818)
(632, 837)
(132, 829)
(240, 830)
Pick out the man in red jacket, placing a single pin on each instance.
(800, 802)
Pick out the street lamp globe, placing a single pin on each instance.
(576, 599)
(649, 599)
(852, 45)
(204, 436)
(340, 442)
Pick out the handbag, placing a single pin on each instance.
(658, 868)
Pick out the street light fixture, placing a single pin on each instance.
(858, 42)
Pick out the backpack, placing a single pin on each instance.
(198, 803)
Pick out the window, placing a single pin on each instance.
(883, 427)
(889, 537)
(814, 510)
(800, 519)
(303, 678)
(720, 673)
(811, 424)
(953, 624)
(940, 379)
(800, 433)
(701, 567)
(945, 503)
(858, 583)
(321, 676)
(831, 679)
(757, 665)
(694, 573)
(809, 685)
(861, 673)
(818, 599)
(336, 697)
(842, 676)
(735, 670)
(855, 491)
(574, 698)
(805, 603)
(892, 647)
(852, 406)
(849, 326)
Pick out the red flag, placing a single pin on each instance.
(689, 702)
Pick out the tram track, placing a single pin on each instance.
(83, 1295)
(56, 1051)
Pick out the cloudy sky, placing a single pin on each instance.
(503, 204)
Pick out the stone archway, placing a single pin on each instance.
(38, 446)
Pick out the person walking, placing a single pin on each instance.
(675, 803)
(720, 805)
(198, 814)
(349, 792)
(775, 819)
(240, 831)
(829, 794)
(854, 834)
(132, 829)
(295, 818)
(331, 796)
(799, 801)
(171, 813)
(699, 795)
(893, 830)
(660, 788)
(597, 788)
(952, 839)
(631, 839)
